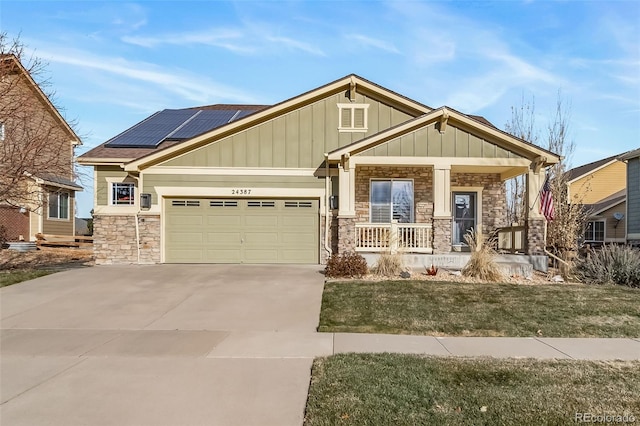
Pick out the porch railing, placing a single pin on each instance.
(394, 237)
(511, 239)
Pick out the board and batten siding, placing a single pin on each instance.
(151, 181)
(600, 184)
(297, 139)
(633, 196)
(430, 142)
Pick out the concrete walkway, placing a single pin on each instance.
(192, 345)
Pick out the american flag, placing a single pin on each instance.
(546, 200)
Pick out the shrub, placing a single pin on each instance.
(612, 264)
(482, 264)
(389, 265)
(346, 265)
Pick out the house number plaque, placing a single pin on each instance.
(240, 191)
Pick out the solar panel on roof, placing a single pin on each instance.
(205, 121)
(153, 130)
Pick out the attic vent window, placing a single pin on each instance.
(352, 117)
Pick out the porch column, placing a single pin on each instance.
(442, 209)
(535, 220)
(347, 203)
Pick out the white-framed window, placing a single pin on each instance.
(59, 205)
(123, 194)
(1, 131)
(594, 231)
(391, 199)
(352, 117)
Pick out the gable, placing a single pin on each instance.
(428, 141)
(294, 139)
(599, 184)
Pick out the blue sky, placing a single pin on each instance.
(114, 63)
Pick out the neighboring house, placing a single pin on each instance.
(632, 158)
(45, 201)
(347, 166)
(601, 187)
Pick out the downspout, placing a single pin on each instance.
(327, 207)
(137, 179)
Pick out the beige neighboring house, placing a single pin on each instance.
(349, 166)
(47, 201)
(601, 187)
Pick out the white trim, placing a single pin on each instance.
(353, 107)
(90, 161)
(633, 236)
(440, 162)
(230, 171)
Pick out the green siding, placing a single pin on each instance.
(429, 142)
(297, 139)
(225, 181)
(102, 187)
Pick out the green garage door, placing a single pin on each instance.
(241, 231)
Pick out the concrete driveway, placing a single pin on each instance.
(161, 345)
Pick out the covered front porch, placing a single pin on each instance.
(420, 190)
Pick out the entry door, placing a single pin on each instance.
(464, 216)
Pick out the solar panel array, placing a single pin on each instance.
(174, 124)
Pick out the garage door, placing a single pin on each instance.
(241, 231)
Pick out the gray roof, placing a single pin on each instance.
(607, 203)
(57, 180)
(578, 172)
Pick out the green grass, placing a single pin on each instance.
(392, 389)
(13, 277)
(464, 309)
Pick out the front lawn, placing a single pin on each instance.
(471, 309)
(14, 277)
(392, 389)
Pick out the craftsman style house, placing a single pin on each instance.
(37, 189)
(349, 166)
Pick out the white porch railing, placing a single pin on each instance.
(406, 237)
(511, 239)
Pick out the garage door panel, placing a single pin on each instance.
(185, 220)
(298, 221)
(260, 256)
(185, 237)
(296, 256)
(261, 221)
(298, 239)
(185, 255)
(263, 239)
(223, 255)
(224, 238)
(225, 220)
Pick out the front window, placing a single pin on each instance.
(594, 231)
(392, 200)
(122, 194)
(58, 205)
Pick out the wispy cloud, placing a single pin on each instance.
(246, 40)
(187, 86)
(366, 41)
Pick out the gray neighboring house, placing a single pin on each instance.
(632, 158)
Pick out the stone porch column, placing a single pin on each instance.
(347, 205)
(536, 222)
(442, 209)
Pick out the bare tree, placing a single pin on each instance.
(35, 141)
(523, 126)
(564, 232)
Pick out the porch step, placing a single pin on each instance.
(520, 269)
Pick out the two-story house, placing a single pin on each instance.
(632, 158)
(601, 187)
(37, 188)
